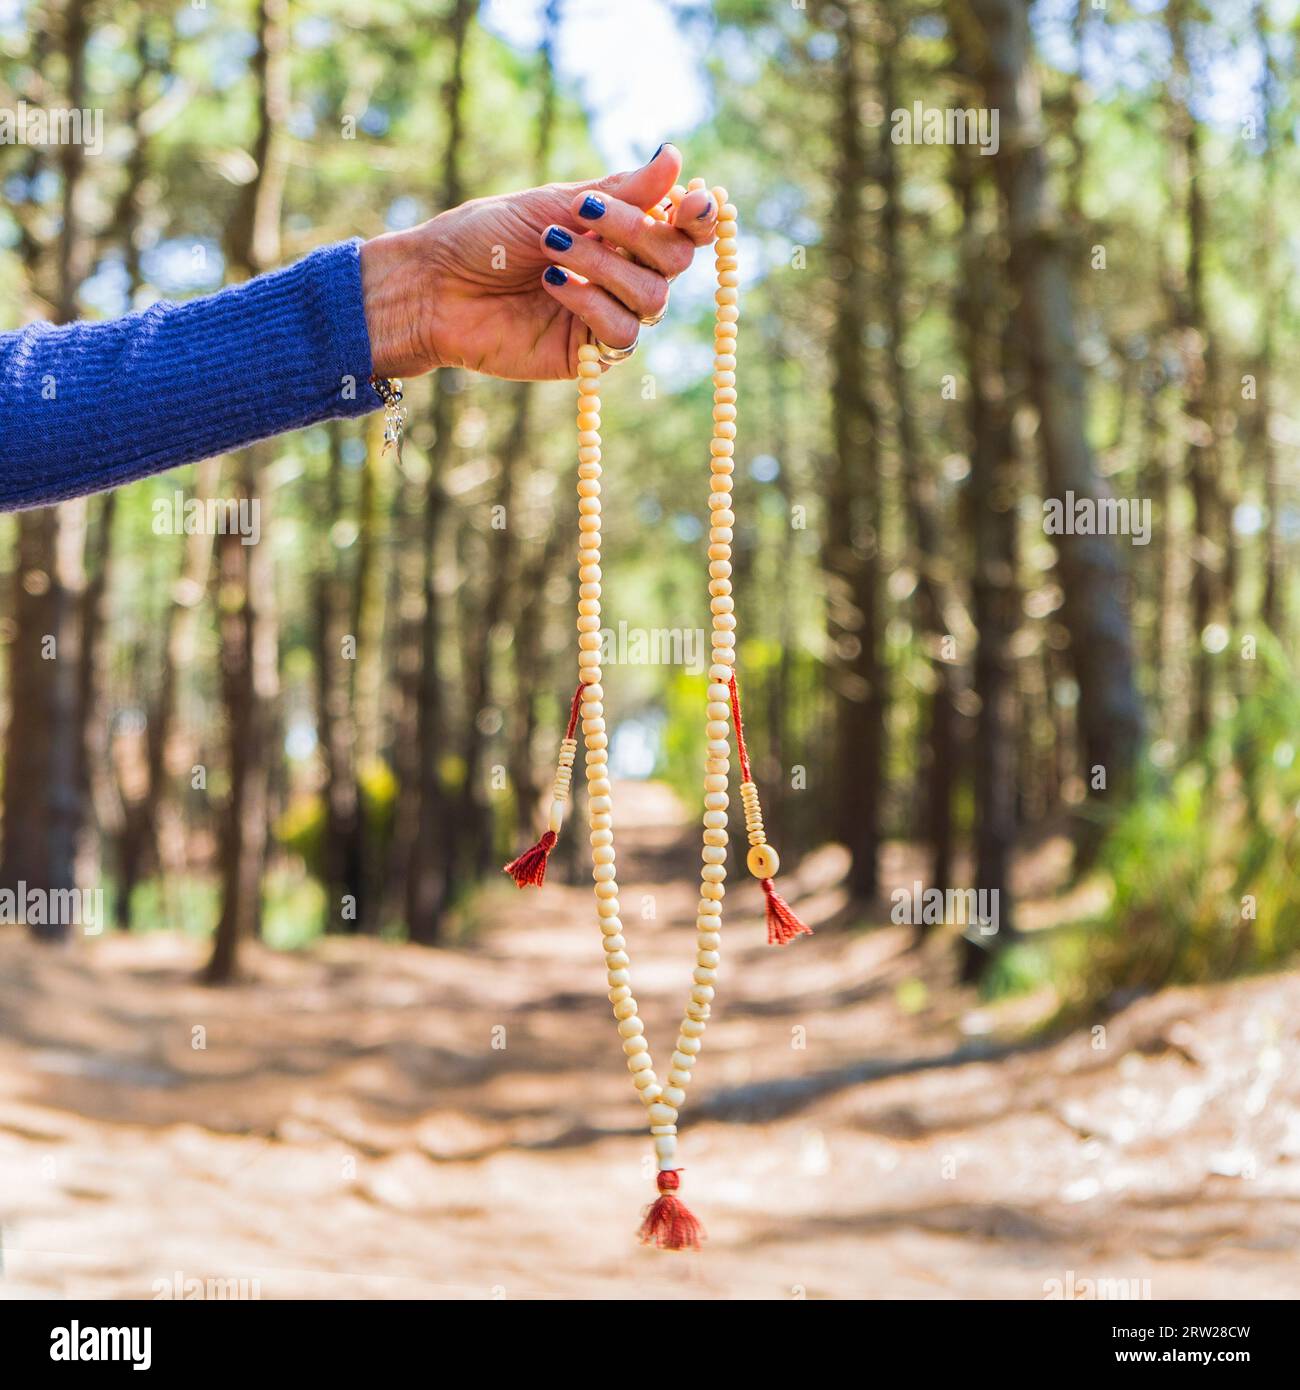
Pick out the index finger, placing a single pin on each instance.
(659, 245)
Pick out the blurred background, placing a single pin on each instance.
(293, 768)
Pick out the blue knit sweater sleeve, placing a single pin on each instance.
(88, 406)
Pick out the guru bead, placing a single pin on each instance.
(763, 861)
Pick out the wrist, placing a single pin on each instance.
(397, 289)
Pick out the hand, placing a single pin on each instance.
(477, 286)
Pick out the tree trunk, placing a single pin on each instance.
(1095, 608)
(933, 589)
(852, 546)
(343, 844)
(247, 592)
(43, 755)
(990, 500)
(433, 849)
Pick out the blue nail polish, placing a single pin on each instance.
(558, 239)
(592, 208)
(555, 276)
(708, 209)
(657, 153)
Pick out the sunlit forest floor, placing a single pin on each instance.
(859, 1127)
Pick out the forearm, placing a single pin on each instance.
(89, 406)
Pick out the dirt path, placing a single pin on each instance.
(368, 1120)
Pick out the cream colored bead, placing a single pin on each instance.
(639, 1061)
(709, 958)
(651, 1091)
(663, 1129)
(692, 1029)
(690, 1046)
(680, 1077)
(631, 1046)
(666, 1150)
(662, 1114)
(618, 977)
(625, 1008)
(555, 821)
(620, 993)
(763, 861)
(645, 1079)
(682, 1061)
(674, 1095)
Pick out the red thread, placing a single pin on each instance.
(529, 869)
(782, 925)
(668, 1223)
(573, 711)
(740, 730)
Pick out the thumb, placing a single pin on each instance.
(648, 185)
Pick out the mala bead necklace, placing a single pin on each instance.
(667, 1222)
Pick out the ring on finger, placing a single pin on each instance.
(611, 356)
(655, 319)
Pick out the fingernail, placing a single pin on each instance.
(657, 153)
(592, 208)
(708, 211)
(555, 276)
(558, 239)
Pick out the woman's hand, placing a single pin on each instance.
(514, 286)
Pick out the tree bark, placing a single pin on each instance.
(44, 742)
(990, 503)
(934, 597)
(1095, 608)
(427, 870)
(853, 505)
(247, 581)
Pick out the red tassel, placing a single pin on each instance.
(782, 925)
(669, 1223)
(529, 869)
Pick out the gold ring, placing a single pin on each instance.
(611, 356)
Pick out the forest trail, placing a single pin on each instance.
(349, 1129)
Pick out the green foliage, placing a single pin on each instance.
(1204, 869)
(301, 828)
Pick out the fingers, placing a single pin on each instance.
(656, 244)
(648, 185)
(696, 216)
(610, 321)
(641, 290)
